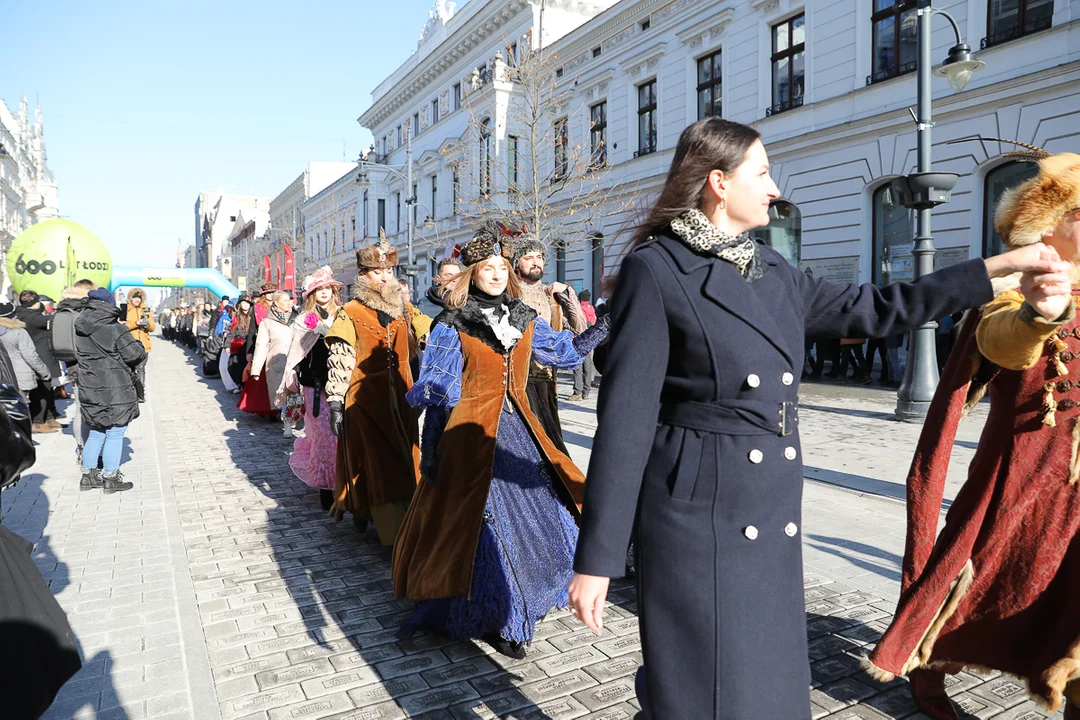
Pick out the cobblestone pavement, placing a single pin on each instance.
(219, 588)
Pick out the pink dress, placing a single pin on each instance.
(314, 457)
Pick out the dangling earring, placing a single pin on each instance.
(723, 204)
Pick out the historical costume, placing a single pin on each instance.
(999, 588)
(697, 444)
(561, 311)
(255, 395)
(489, 540)
(314, 457)
(370, 343)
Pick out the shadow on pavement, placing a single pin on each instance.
(859, 554)
(339, 627)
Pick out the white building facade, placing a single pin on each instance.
(828, 84)
(215, 217)
(28, 192)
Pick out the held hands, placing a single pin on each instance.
(1038, 259)
(336, 418)
(587, 596)
(1048, 293)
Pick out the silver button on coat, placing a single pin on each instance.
(789, 453)
(790, 529)
(756, 456)
(750, 532)
(787, 378)
(753, 380)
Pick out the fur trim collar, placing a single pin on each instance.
(386, 299)
(470, 320)
(12, 323)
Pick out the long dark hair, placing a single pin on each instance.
(707, 145)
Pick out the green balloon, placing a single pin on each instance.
(52, 255)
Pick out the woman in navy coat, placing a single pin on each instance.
(698, 441)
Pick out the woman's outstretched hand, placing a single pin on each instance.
(1037, 259)
(587, 596)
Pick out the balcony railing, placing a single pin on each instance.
(1016, 31)
(784, 106)
(890, 73)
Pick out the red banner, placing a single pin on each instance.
(290, 272)
(266, 268)
(277, 262)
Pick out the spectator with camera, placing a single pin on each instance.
(140, 321)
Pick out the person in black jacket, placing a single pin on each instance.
(697, 439)
(108, 354)
(43, 410)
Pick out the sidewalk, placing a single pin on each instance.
(218, 588)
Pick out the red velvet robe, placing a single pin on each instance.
(1000, 587)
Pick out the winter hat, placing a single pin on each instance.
(27, 298)
(323, 277)
(380, 255)
(267, 289)
(7, 309)
(103, 295)
(524, 244)
(1027, 213)
(483, 246)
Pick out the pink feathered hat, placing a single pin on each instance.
(322, 277)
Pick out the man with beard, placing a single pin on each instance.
(558, 305)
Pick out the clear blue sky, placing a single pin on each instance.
(147, 103)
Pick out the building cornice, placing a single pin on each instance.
(462, 42)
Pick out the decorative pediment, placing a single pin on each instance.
(596, 86)
(765, 5)
(644, 62)
(697, 35)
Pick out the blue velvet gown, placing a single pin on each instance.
(525, 554)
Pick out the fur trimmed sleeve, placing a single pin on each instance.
(341, 366)
(1012, 335)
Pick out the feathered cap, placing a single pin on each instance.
(267, 289)
(380, 255)
(323, 277)
(524, 244)
(1027, 213)
(486, 243)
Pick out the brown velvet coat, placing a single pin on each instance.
(378, 460)
(436, 548)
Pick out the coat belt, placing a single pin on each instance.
(733, 417)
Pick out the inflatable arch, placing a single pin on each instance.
(207, 278)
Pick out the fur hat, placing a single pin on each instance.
(524, 244)
(483, 246)
(323, 277)
(1026, 213)
(380, 255)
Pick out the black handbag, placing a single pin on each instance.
(16, 448)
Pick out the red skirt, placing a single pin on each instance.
(255, 398)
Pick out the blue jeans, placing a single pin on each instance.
(109, 445)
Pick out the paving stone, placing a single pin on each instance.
(382, 711)
(977, 706)
(501, 705)
(614, 668)
(340, 681)
(436, 699)
(1004, 691)
(411, 664)
(316, 708)
(605, 695)
(570, 660)
(387, 690)
(263, 701)
(504, 679)
(459, 672)
(290, 674)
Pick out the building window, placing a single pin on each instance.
(784, 231)
(456, 95)
(397, 211)
(558, 73)
(788, 44)
(512, 163)
(434, 196)
(385, 145)
(381, 213)
(1009, 19)
(562, 149)
(512, 54)
(646, 24)
(894, 238)
(597, 51)
(998, 180)
(560, 263)
(416, 123)
(646, 118)
(364, 217)
(485, 156)
(482, 70)
(896, 38)
(598, 134)
(455, 188)
(710, 96)
(434, 111)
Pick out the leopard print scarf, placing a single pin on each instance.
(700, 235)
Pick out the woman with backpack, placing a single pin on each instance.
(107, 354)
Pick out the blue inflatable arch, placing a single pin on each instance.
(207, 278)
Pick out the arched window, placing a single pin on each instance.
(784, 231)
(485, 156)
(596, 242)
(999, 180)
(894, 238)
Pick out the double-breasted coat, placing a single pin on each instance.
(698, 437)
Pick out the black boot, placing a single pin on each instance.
(326, 499)
(359, 523)
(114, 482)
(505, 647)
(91, 480)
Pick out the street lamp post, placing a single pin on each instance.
(411, 269)
(922, 191)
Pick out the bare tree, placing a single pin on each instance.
(538, 162)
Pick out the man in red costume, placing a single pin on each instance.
(1000, 587)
